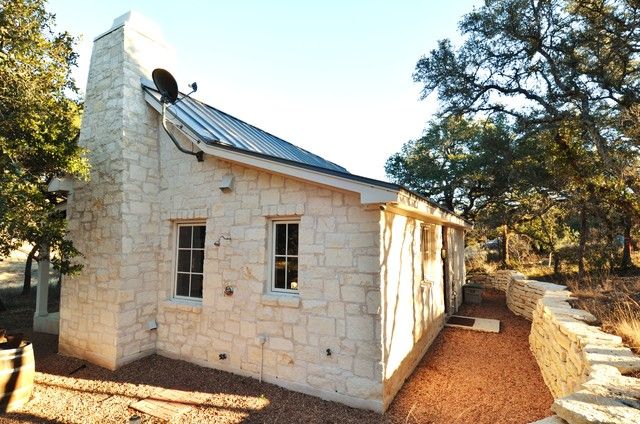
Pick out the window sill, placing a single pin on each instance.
(183, 305)
(283, 300)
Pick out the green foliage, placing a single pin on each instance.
(462, 164)
(563, 76)
(39, 124)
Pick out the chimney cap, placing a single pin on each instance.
(138, 22)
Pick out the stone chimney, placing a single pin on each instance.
(114, 217)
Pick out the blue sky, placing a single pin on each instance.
(333, 77)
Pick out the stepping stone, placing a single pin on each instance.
(476, 324)
(160, 409)
(168, 404)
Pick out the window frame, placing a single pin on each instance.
(177, 249)
(272, 256)
(427, 247)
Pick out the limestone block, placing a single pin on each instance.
(554, 419)
(278, 343)
(373, 301)
(585, 407)
(363, 388)
(620, 357)
(335, 310)
(338, 257)
(322, 325)
(354, 294)
(359, 327)
(247, 329)
(363, 368)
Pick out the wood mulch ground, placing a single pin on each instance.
(466, 377)
(472, 377)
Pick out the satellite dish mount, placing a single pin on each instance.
(168, 89)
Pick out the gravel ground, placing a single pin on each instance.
(466, 377)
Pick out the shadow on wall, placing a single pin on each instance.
(456, 263)
(412, 313)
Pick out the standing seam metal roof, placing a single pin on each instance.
(215, 127)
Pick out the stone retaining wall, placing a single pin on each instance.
(523, 295)
(585, 368)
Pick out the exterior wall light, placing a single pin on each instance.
(226, 185)
(222, 237)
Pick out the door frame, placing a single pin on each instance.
(446, 280)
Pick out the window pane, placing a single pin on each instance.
(185, 237)
(292, 239)
(292, 273)
(197, 258)
(196, 285)
(281, 238)
(279, 275)
(184, 260)
(198, 236)
(182, 285)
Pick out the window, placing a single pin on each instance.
(189, 261)
(284, 277)
(427, 247)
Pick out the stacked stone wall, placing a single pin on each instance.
(498, 280)
(523, 295)
(586, 370)
(338, 306)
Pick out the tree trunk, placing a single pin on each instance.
(26, 284)
(2, 306)
(626, 251)
(556, 264)
(583, 243)
(505, 245)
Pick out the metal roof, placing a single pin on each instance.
(214, 127)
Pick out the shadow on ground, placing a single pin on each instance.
(465, 377)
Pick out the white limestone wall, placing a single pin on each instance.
(412, 310)
(113, 217)
(339, 276)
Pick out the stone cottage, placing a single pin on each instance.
(262, 259)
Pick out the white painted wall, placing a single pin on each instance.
(412, 310)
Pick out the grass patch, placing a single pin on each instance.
(20, 309)
(615, 302)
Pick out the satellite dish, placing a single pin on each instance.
(166, 85)
(168, 88)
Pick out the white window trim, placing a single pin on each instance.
(427, 240)
(174, 284)
(272, 256)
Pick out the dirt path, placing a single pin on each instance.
(472, 377)
(466, 377)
